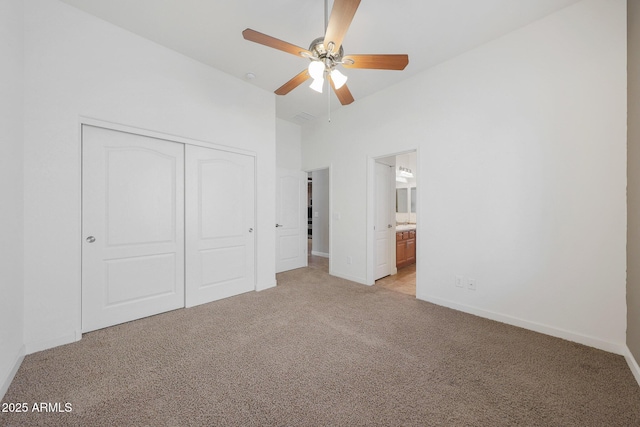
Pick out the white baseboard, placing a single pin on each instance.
(6, 382)
(612, 347)
(266, 286)
(36, 346)
(351, 278)
(633, 364)
(322, 254)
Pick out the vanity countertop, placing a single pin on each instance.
(405, 227)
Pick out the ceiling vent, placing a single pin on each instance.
(303, 117)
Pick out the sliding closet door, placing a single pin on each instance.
(133, 227)
(220, 222)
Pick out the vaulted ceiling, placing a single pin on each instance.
(429, 31)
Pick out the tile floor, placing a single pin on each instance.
(404, 281)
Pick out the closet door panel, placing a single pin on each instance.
(220, 218)
(133, 227)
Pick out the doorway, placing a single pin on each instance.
(395, 209)
(318, 219)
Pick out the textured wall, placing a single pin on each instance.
(633, 177)
(288, 155)
(521, 148)
(11, 189)
(320, 225)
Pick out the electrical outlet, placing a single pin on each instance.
(471, 284)
(459, 282)
(349, 260)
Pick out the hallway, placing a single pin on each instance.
(317, 262)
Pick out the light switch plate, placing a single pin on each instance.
(458, 281)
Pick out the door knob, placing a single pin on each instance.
(279, 225)
(389, 226)
(91, 239)
(251, 230)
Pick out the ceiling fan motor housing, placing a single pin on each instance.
(328, 55)
(320, 52)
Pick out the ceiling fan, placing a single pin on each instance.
(325, 53)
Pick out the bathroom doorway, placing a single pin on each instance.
(402, 276)
(318, 221)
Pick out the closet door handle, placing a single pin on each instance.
(279, 225)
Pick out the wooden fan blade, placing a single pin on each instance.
(376, 62)
(273, 42)
(339, 21)
(343, 94)
(293, 83)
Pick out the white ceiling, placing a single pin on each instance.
(429, 31)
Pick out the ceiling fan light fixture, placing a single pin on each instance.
(317, 84)
(338, 78)
(327, 51)
(316, 70)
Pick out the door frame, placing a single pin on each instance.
(371, 206)
(330, 168)
(90, 121)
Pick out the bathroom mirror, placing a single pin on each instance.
(401, 200)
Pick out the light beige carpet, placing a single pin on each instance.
(321, 351)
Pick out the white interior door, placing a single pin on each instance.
(133, 227)
(291, 220)
(220, 222)
(383, 220)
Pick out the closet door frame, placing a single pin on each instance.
(90, 121)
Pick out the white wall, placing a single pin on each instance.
(633, 185)
(11, 190)
(77, 65)
(320, 212)
(521, 158)
(288, 150)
